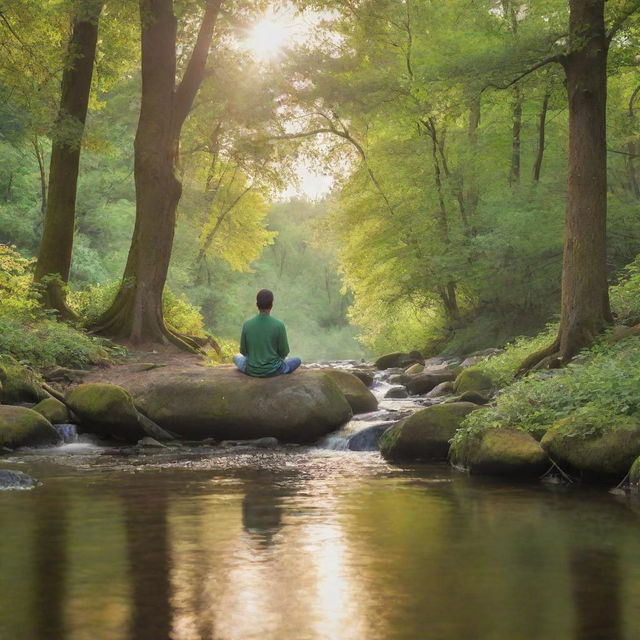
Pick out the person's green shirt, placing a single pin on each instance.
(264, 342)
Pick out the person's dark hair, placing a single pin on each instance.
(264, 299)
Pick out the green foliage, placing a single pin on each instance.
(625, 296)
(29, 334)
(179, 314)
(503, 367)
(182, 316)
(228, 348)
(603, 383)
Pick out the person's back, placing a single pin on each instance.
(263, 343)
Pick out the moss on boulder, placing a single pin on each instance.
(427, 380)
(355, 391)
(20, 427)
(426, 434)
(414, 369)
(577, 445)
(473, 380)
(398, 359)
(197, 402)
(53, 410)
(106, 410)
(19, 384)
(499, 451)
(634, 475)
(470, 396)
(365, 376)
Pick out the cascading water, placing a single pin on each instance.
(68, 432)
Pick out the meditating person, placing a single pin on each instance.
(263, 343)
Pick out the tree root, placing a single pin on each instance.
(547, 358)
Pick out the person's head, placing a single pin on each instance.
(264, 300)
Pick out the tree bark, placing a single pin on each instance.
(542, 123)
(585, 310)
(516, 130)
(54, 258)
(136, 313)
(37, 148)
(472, 194)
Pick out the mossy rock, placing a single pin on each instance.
(53, 410)
(634, 475)
(396, 393)
(19, 384)
(425, 435)
(364, 376)
(428, 380)
(575, 445)
(105, 410)
(442, 389)
(499, 451)
(398, 359)
(20, 427)
(414, 369)
(197, 403)
(473, 380)
(470, 396)
(358, 396)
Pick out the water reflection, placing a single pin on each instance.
(50, 558)
(595, 574)
(299, 547)
(149, 559)
(261, 508)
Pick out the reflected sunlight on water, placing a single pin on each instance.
(307, 545)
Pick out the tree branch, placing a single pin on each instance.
(631, 8)
(559, 58)
(192, 78)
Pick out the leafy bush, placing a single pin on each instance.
(30, 334)
(228, 348)
(606, 384)
(180, 315)
(503, 367)
(625, 296)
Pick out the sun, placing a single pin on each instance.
(268, 37)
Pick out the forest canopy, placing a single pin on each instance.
(441, 133)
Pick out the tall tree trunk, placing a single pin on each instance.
(37, 148)
(542, 123)
(631, 148)
(585, 310)
(514, 173)
(472, 195)
(447, 294)
(54, 258)
(136, 313)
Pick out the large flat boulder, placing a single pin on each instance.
(20, 427)
(197, 402)
(426, 434)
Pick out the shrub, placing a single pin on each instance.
(606, 382)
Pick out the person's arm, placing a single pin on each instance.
(283, 344)
(243, 343)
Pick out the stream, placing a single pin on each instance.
(306, 543)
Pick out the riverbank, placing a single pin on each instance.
(444, 409)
